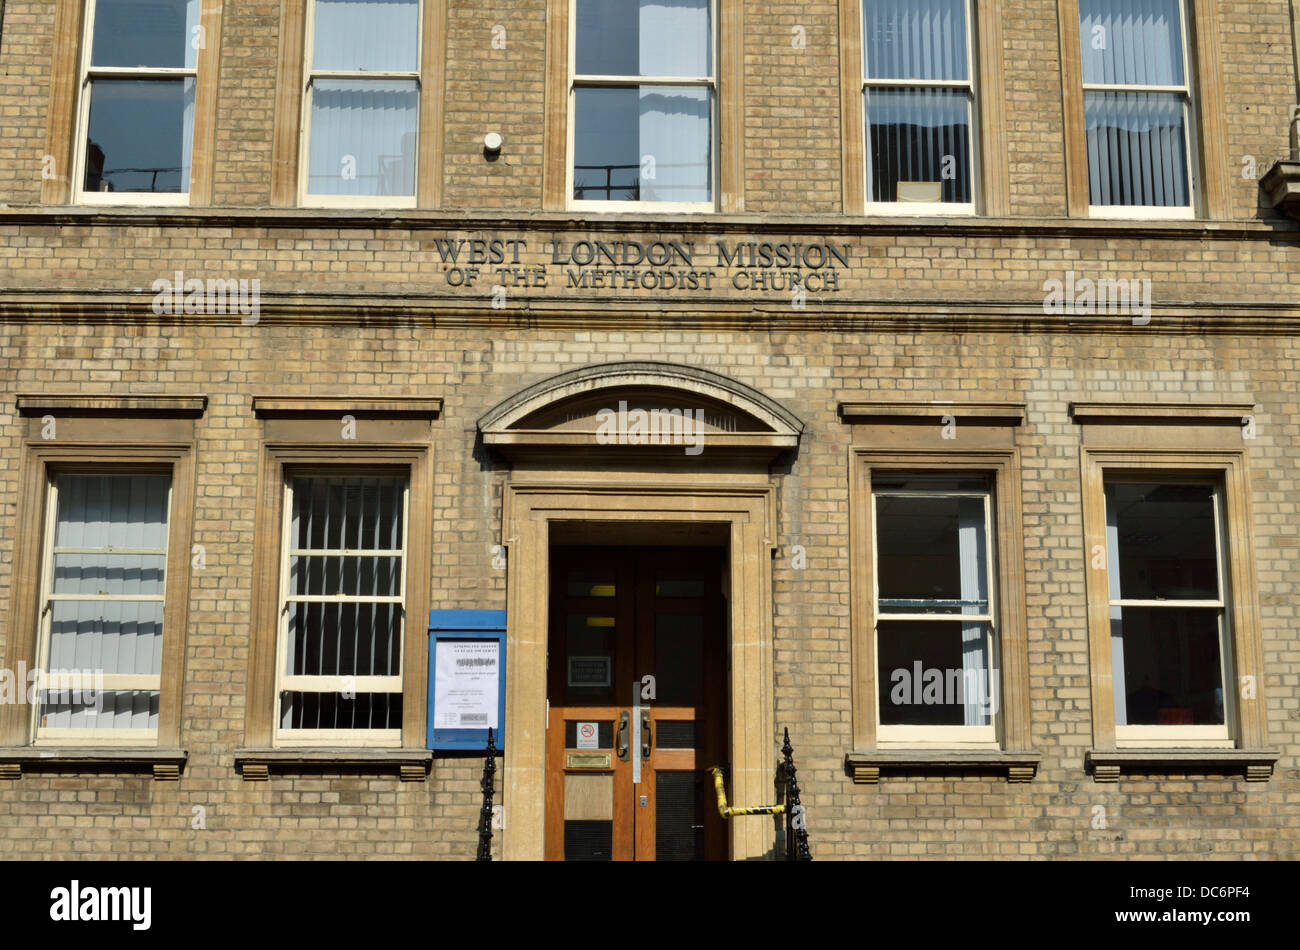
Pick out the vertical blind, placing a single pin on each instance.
(917, 133)
(108, 571)
(344, 610)
(364, 132)
(1137, 130)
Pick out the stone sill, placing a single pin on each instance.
(1255, 764)
(621, 223)
(165, 764)
(255, 765)
(865, 767)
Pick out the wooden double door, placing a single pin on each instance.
(637, 697)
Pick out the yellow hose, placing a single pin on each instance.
(727, 812)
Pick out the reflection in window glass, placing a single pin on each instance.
(933, 559)
(636, 140)
(140, 135)
(1167, 618)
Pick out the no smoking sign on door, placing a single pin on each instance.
(588, 735)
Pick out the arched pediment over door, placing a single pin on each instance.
(634, 409)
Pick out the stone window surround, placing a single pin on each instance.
(1212, 199)
(64, 132)
(304, 431)
(898, 436)
(991, 186)
(152, 430)
(1177, 438)
(729, 136)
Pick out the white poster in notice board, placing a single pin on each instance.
(465, 695)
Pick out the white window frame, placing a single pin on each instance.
(43, 735)
(287, 737)
(1155, 737)
(708, 82)
(89, 74)
(927, 208)
(947, 737)
(305, 198)
(1139, 212)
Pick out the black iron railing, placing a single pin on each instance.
(485, 813)
(796, 825)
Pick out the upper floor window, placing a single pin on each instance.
(919, 99)
(643, 93)
(361, 106)
(1138, 115)
(139, 77)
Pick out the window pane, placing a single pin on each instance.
(931, 555)
(589, 659)
(106, 636)
(140, 135)
(1163, 538)
(112, 511)
(1131, 42)
(335, 711)
(364, 136)
(120, 709)
(1137, 149)
(1167, 667)
(934, 673)
(344, 639)
(367, 34)
(156, 33)
(915, 39)
(918, 145)
(361, 513)
(346, 576)
(644, 38)
(109, 573)
(679, 659)
(646, 143)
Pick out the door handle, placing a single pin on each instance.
(645, 734)
(623, 721)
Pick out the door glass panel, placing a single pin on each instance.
(675, 735)
(590, 582)
(679, 822)
(589, 659)
(666, 585)
(679, 658)
(589, 817)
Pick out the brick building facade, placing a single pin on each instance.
(906, 414)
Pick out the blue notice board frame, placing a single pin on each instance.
(445, 625)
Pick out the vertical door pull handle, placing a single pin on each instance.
(645, 734)
(623, 722)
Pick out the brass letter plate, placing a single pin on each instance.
(587, 760)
